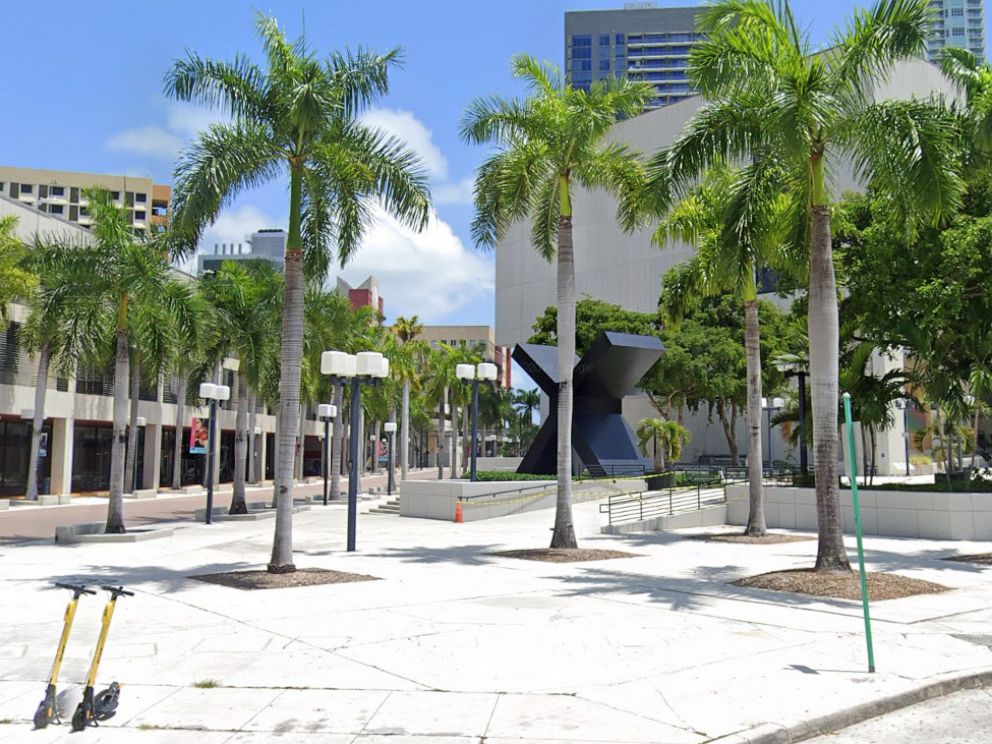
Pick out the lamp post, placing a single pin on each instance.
(390, 427)
(373, 441)
(771, 404)
(255, 456)
(474, 373)
(137, 442)
(366, 366)
(212, 393)
(903, 405)
(326, 412)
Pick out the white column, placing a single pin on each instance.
(152, 468)
(60, 452)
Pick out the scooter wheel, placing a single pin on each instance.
(79, 719)
(41, 715)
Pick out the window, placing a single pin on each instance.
(582, 53)
(57, 209)
(57, 191)
(9, 349)
(27, 188)
(604, 65)
(604, 39)
(140, 198)
(957, 11)
(84, 211)
(619, 39)
(139, 215)
(115, 195)
(1, 185)
(582, 41)
(957, 32)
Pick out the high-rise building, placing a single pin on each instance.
(263, 245)
(640, 41)
(957, 23)
(60, 193)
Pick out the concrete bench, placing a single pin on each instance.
(142, 493)
(4, 504)
(46, 499)
(92, 532)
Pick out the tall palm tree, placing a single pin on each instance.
(296, 117)
(406, 330)
(245, 300)
(113, 286)
(668, 438)
(548, 144)
(440, 380)
(768, 92)
(735, 218)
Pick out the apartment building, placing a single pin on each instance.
(957, 23)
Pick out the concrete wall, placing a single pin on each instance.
(939, 516)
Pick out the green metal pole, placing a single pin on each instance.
(857, 527)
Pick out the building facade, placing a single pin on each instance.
(957, 23)
(60, 193)
(262, 245)
(626, 269)
(640, 41)
(468, 336)
(365, 294)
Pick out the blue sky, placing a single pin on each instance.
(82, 91)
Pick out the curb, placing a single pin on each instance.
(772, 733)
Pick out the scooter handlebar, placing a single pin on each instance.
(116, 591)
(78, 588)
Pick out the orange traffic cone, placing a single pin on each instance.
(458, 512)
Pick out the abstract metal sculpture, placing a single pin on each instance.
(603, 441)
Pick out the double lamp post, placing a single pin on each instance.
(213, 394)
(475, 373)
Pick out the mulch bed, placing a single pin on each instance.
(564, 555)
(983, 559)
(259, 579)
(742, 539)
(840, 585)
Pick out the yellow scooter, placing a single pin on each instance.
(47, 710)
(100, 707)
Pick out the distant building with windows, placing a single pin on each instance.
(957, 23)
(365, 294)
(60, 194)
(640, 41)
(468, 336)
(262, 245)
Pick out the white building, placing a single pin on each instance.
(626, 270)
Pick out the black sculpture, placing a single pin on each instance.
(602, 440)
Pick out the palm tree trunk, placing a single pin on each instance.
(132, 432)
(564, 530)
(405, 432)
(440, 435)
(177, 453)
(238, 504)
(290, 359)
(824, 349)
(252, 413)
(752, 349)
(40, 390)
(115, 505)
(337, 441)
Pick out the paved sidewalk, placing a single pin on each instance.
(24, 523)
(458, 645)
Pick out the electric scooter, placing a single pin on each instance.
(100, 707)
(47, 710)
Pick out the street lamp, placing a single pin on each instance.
(771, 404)
(326, 412)
(474, 373)
(212, 393)
(366, 366)
(373, 441)
(390, 427)
(140, 421)
(256, 451)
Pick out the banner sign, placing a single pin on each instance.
(197, 436)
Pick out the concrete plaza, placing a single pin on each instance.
(456, 645)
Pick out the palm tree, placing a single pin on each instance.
(111, 287)
(245, 301)
(440, 380)
(298, 116)
(974, 76)
(670, 435)
(768, 93)
(735, 219)
(16, 282)
(406, 329)
(547, 144)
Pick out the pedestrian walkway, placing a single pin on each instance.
(460, 645)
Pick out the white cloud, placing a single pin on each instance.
(431, 274)
(183, 121)
(150, 140)
(410, 129)
(460, 192)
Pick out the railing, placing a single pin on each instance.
(636, 507)
(612, 471)
(511, 494)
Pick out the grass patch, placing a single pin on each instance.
(982, 559)
(260, 579)
(150, 727)
(206, 684)
(6, 721)
(564, 555)
(739, 538)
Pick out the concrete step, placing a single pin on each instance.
(381, 510)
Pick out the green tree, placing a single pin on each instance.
(407, 364)
(667, 437)
(245, 299)
(548, 144)
(297, 116)
(768, 92)
(16, 282)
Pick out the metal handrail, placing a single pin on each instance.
(641, 505)
(473, 497)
